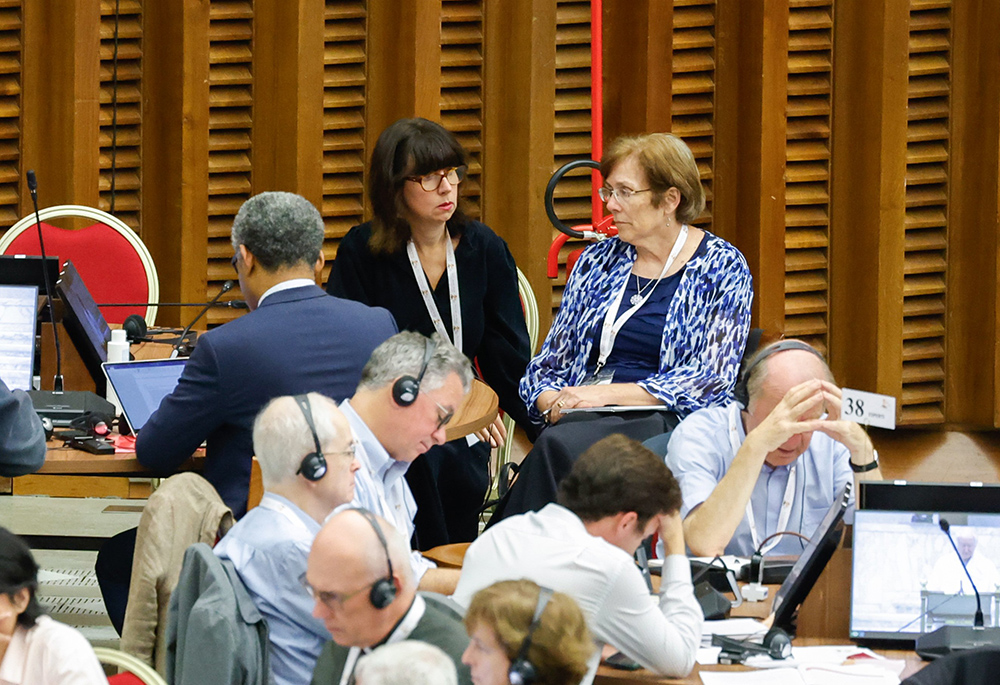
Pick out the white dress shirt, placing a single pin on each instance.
(553, 548)
(50, 653)
(380, 486)
(285, 285)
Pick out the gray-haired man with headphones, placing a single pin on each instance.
(360, 578)
(307, 462)
(773, 461)
(409, 390)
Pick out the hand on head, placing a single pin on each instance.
(671, 531)
(795, 414)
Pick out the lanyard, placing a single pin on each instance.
(268, 502)
(402, 631)
(611, 327)
(786, 501)
(425, 291)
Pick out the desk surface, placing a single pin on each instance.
(611, 676)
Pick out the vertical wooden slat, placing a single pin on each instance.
(11, 66)
(344, 116)
(926, 229)
(121, 130)
(462, 89)
(808, 171)
(230, 135)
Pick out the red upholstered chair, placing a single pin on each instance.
(113, 262)
(136, 671)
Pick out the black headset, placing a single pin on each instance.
(383, 591)
(406, 388)
(522, 671)
(740, 393)
(777, 644)
(313, 466)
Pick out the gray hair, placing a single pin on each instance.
(758, 370)
(403, 355)
(279, 229)
(409, 662)
(281, 436)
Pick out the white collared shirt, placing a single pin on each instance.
(50, 653)
(553, 548)
(380, 486)
(285, 285)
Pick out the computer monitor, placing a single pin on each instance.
(84, 323)
(901, 495)
(907, 579)
(811, 563)
(18, 318)
(22, 269)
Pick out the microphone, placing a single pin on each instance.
(232, 304)
(226, 287)
(57, 382)
(977, 621)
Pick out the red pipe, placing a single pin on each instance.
(596, 105)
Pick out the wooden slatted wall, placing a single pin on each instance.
(124, 153)
(10, 110)
(572, 123)
(926, 257)
(230, 97)
(807, 171)
(462, 89)
(344, 154)
(693, 103)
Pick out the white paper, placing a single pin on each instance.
(868, 408)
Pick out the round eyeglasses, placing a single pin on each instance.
(430, 182)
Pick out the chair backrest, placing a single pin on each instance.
(112, 260)
(142, 672)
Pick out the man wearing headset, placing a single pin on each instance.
(772, 461)
(306, 454)
(362, 583)
(409, 390)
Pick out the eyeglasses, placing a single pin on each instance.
(430, 182)
(621, 195)
(351, 451)
(444, 416)
(234, 261)
(333, 600)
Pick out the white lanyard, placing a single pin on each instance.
(402, 631)
(268, 502)
(786, 501)
(611, 327)
(425, 291)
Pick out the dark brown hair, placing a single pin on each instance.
(18, 570)
(668, 163)
(618, 474)
(408, 147)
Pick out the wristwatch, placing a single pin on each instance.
(870, 466)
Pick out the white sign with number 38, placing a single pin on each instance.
(868, 408)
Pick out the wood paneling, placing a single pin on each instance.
(121, 111)
(11, 67)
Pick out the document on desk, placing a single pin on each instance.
(805, 675)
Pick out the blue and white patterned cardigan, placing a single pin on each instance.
(703, 335)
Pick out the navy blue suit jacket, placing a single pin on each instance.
(299, 340)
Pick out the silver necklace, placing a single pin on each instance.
(635, 299)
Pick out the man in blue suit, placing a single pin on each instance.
(296, 339)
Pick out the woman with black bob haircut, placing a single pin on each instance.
(436, 270)
(34, 648)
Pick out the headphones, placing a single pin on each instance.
(313, 466)
(522, 671)
(777, 644)
(136, 330)
(740, 393)
(406, 388)
(383, 591)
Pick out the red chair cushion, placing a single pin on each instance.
(108, 263)
(124, 679)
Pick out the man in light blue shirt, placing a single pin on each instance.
(393, 426)
(307, 462)
(776, 465)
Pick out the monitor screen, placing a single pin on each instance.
(901, 495)
(18, 316)
(84, 323)
(27, 270)
(142, 385)
(907, 579)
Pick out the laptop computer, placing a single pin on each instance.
(18, 318)
(906, 577)
(84, 323)
(142, 385)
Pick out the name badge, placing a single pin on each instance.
(602, 377)
(868, 408)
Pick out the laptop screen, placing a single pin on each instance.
(142, 385)
(18, 315)
(907, 579)
(84, 323)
